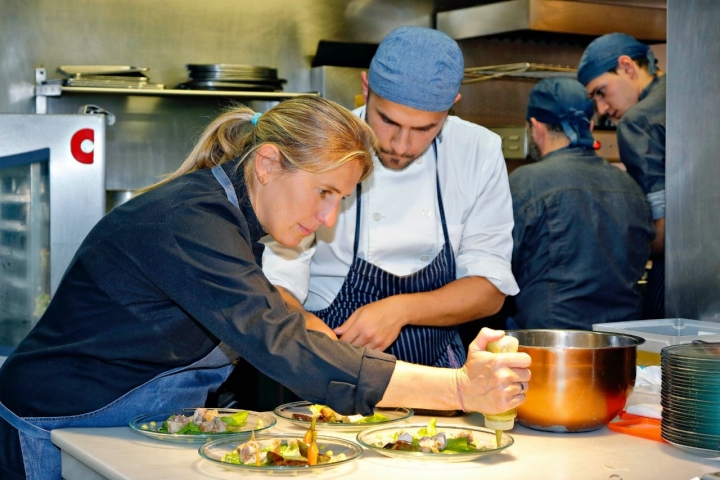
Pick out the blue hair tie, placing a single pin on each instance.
(255, 118)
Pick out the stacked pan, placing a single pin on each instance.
(223, 76)
(689, 396)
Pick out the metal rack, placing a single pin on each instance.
(45, 88)
(517, 70)
(24, 248)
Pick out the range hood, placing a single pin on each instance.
(645, 20)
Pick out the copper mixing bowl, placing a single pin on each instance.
(580, 379)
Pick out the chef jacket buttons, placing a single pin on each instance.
(377, 216)
(419, 161)
(426, 212)
(424, 258)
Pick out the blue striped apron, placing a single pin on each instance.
(366, 283)
(175, 389)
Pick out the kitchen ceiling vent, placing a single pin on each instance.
(645, 20)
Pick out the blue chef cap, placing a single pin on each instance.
(603, 52)
(563, 101)
(418, 67)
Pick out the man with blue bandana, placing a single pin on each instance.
(621, 77)
(582, 226)
(423, 245)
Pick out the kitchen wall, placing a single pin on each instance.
(164, 35)
(153, 134)
(693, 230)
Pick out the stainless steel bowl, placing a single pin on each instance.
(580, 379)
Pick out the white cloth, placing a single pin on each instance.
(650, 410)
(400, 228)
(650, 375)
(645, 398)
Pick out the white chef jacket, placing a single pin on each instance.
(400, 228)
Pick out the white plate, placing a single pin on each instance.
(215, 451)
(149, 424)
(484, 438)
(703, 452)
(289, 409)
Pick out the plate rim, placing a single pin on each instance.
(409, 413)
(287, 468)
(417, 455)
(185, 438)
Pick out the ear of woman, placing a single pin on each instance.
(267, 162)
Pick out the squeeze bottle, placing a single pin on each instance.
(505, 420)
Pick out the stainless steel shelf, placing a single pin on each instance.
(517, 70)
(185, 93)
(15, 281)
(12, 253)
(52, 88)
(13, 226)
(15, 198)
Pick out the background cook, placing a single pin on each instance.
(621, 75)
(582, 226)
(425, 243)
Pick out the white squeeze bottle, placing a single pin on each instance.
(505, 420)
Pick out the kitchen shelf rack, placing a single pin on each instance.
(517, 70)
(24, 238)
(45, 88)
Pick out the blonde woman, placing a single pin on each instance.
(164, 294)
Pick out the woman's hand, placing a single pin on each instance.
(491, 382)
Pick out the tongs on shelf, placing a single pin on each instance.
(525, 70)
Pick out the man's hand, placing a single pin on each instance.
(490, 382)
(375, 325)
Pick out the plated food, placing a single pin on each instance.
(279, 453)
(443, 443)
(301, 413)
(192, 425)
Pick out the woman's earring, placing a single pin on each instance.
(262, 180)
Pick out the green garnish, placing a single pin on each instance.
(374, 418)
(238, 419)
(430, 430)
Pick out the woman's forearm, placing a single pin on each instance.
(418, 386)
(487, 383)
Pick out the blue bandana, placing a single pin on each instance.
(603, 52)
(563, 101)
(418, 67)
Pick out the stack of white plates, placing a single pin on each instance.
(689, 396)
(223, 76)
(107, 76)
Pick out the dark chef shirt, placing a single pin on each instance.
(581, 241)
(641, 138)
(156, 285)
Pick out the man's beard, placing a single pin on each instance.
(534, 149)
(393, 161)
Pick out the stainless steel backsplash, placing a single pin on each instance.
(153, 134)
